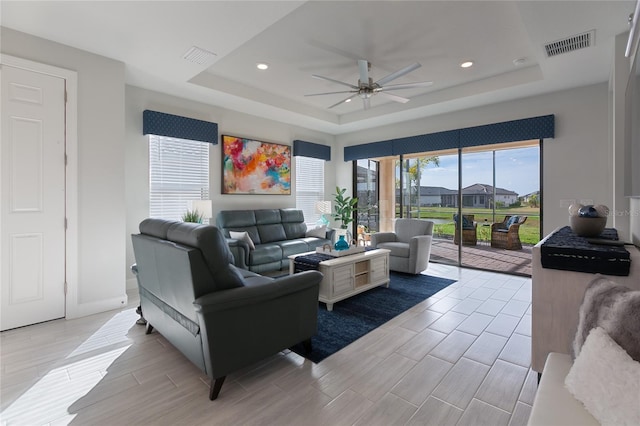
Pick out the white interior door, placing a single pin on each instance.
(32, 180)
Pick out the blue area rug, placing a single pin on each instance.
(356, 316)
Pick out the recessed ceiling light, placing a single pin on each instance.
(262, 66)
(466, 64)
(348, 100)
(520, 61)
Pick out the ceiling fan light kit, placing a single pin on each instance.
(367, 88)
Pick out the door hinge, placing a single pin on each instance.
(66, 285)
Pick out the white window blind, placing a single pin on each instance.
(309, 187)
(178, 173)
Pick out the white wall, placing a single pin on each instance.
(229, 122)
(101, 203)
(577, 162)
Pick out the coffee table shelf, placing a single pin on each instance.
(349, 275)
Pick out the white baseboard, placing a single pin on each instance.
(85, 309)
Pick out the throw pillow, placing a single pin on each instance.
(243, 236)
(616, 309)
(512, 220)
(606, 380)
(318, 232)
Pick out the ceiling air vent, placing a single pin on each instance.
(198, 55)
(569, 44)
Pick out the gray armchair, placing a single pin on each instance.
(410, 245)
(220, 317)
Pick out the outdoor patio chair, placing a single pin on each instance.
(469, 234)
(505, 234)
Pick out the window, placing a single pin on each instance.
(178, 173)
(309, 187)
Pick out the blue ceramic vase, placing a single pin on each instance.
(341, 244)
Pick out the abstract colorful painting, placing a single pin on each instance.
(254, 167)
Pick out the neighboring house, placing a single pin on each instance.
(481, 196)
(477, 195)
(526, 199)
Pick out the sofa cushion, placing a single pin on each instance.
(271, 233)
(252, 231)
(214, 248)
(265, 253)
(236, 219)
(294, 230)
(606, 380)
(243, 236)
(267, 216)
(398, 249)
(290, 247)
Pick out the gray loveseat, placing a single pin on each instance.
(220, 317)
(275, 233)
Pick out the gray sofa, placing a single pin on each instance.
(275, 233)
(220, 317)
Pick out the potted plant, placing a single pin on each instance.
(343, 208)
(192, 216)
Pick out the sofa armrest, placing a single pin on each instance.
(554, 404)
(382, 237)
(240, 251)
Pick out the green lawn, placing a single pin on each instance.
(529, 231)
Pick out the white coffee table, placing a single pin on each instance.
(349, 275)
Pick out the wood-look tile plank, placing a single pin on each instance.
(520, 416)
(418, 383)
(460, 384)
(491, 307)
(475, 324)
(524, 326)
(376, 384)
(444, 305)
(453, 346)
(502, 385)
(390, 410)
(435, 412)
(503, 325)
(421, 320)
(530, 388)
(467, 306)
(486, 348)
(480, 413)
(517, 350)
(516, 308)
(448, 322)
(346, 409)
(421, 344)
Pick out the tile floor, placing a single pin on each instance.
(461, 357)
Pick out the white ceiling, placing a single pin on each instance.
(298, 39)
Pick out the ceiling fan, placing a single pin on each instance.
(367, 88)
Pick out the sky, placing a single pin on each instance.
(517, 170)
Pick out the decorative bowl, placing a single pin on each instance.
(587, 226)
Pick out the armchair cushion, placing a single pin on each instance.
(398, 249)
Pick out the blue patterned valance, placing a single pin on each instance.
(312, 150)
(509, 131)
(175, 126)
(368, 150)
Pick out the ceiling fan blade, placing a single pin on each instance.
(397, 74)
(363, 67)
(366, 102)
(405, 86)
(343, 101)
(332, 93)
(394, 97)
(319, 77)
